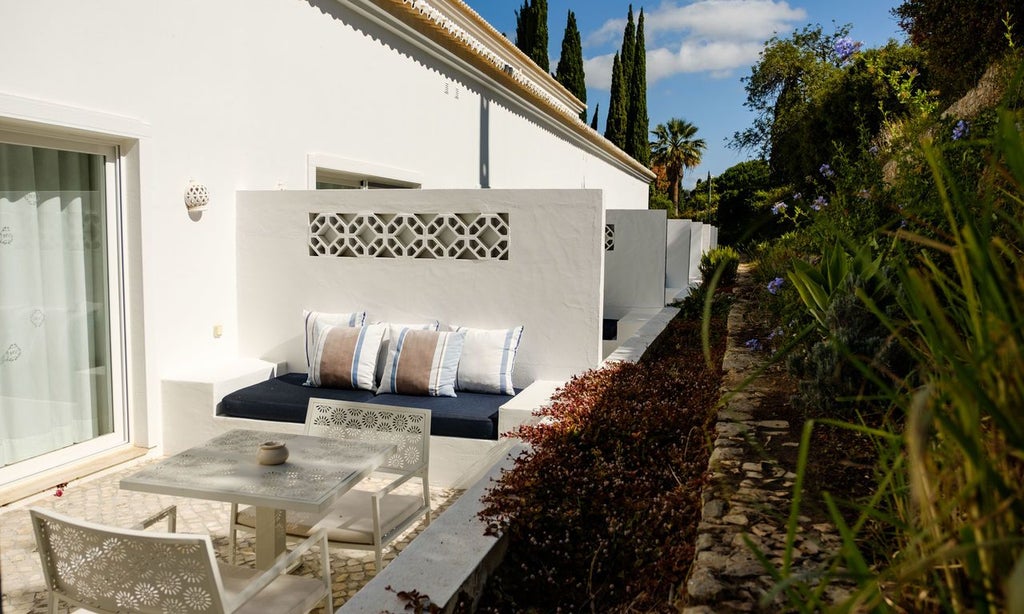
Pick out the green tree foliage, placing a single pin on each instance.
(569, 71)
(532, 31)
(627, 55)
(597, 110)
(959, 40)
(615, 125)
(700, 204)
(737, 189)
(637, 122)
(808, 97)
(676, 147)
(789, 68)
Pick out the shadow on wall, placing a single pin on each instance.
(487, 96)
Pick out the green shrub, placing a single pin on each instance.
(725, 258)
(948, 508)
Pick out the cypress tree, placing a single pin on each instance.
(637, 127)
(615, 125)
(526, 27)
(532, 31)
(627, 55)
(593, 122)
(540, 42)
(570, 66)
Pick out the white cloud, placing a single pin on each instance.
(714, 36)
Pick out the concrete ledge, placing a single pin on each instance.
(450, 557)
(633, 348)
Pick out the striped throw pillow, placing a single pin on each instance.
(392, 332)
(422, 362)
(313, 320)
(346, 356)
(488, 358)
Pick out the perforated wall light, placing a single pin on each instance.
(196, 197)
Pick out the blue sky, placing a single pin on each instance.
(697, 52)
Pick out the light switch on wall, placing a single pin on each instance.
(218, 330)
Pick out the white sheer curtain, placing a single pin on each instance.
(54, 344)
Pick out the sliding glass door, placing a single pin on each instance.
(61, 367)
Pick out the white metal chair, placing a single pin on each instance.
(112, 570)
(365, 518)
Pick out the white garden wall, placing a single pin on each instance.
(635, 266)
(696, 250)
(550, 282)
(677, 254)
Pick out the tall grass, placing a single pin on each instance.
(947, 513)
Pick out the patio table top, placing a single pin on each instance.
(224, 468)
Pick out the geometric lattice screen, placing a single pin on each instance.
(454, 236)
(609, 237)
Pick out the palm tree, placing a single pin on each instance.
(675, 148)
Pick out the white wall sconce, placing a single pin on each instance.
(196, 197)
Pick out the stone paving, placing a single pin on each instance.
(98, 498)
(749, 494)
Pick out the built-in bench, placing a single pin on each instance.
(285, 398)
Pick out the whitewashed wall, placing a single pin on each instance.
(696, 249)
(550, 283)
(238, 95)
(677, 254)
(635, 269)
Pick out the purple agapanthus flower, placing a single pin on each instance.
(753, 344)
(960, 130)
(819, 202)
(778, 208)
(775, 284)
(797, 195)
(845, 48)
(826, 171)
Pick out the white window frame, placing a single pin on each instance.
(357, 174)
(41, 119)
(113, 207)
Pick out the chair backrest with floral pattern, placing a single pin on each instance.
(408, 428)
(107, 569)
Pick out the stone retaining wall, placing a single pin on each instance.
(750, 491)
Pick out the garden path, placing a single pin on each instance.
(750, 489)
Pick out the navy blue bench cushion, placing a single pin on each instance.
(472, 415)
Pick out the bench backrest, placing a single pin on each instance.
(476, 258)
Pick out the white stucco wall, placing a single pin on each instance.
(635, 269)
(677, 254)
(237, 95)
(550, 283)
(696, 234)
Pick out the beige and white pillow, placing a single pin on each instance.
(422, 362)
(312, 320)
(346, 356)
(390, 333)
(488, 358)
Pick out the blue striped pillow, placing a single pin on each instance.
(488, 358)
(422, 362)
(346, 356)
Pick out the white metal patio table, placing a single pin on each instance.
(317, 471)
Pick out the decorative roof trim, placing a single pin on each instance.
(505, 63)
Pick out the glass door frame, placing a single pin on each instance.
(116, 306)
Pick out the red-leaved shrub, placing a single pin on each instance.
(601, 514)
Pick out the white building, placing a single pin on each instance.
(111, 110)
